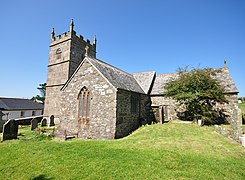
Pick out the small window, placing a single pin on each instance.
(22, 114)
(33, 113)
(134, 104)
(84, 99)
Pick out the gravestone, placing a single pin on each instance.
(236, 123)
(10, 130)
(34, 123)
(1, 115)
(2, 122)
(51, 120)
(44, 122)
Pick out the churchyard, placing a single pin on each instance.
(242, 107)
(159, 151)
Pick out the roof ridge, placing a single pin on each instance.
(175, 73)
(110, 65)
(14, 98)
(144, 72)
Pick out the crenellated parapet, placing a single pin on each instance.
(71, 35)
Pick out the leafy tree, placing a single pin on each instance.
(198, 92)
(41, 97)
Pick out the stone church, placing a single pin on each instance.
(99, 101)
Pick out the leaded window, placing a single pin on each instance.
(84, 99)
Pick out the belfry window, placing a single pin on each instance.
(84, 99)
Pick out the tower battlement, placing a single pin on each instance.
(71, 35)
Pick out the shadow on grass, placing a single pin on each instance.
(42, 177)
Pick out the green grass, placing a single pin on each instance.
(242, 106)
(169, 151)
(25, 134)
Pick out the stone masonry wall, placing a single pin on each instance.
(173, 108)
(102, 110)
(128, 121)
(52, 101)
(66, 53)
(163, 101)
(58, 73)
(228, 108)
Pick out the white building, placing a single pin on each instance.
(13, 108)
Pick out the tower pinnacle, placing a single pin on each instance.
(87, 50)
(52, 34)
(71, 25)
(95, 40)
(225, 66)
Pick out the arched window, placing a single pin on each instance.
(84, 98)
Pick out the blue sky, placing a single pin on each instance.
(133, 35)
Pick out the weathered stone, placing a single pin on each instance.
(43, 122)
(66, 53)
(34, 123)
(51, 120)
(223, 131)
(1, 115)
(236, 123)
(116, 102)
(2, 122)
(10, 130)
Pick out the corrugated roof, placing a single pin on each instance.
(19, 104)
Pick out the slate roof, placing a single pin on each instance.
(117, 77)
(160, 81)
(145, 80)
(19, 104)
(223, 76)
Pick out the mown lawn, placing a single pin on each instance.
(169, 151)
(242, 106)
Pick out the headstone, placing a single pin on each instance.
(34, 124)
(51, 122)
(44, 122)
(236, 123)
(10, 130)
(1, 115)
(2, 122)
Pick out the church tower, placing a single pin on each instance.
(66, 53)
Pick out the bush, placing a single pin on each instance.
(198, 92)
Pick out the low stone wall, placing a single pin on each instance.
(235, 130)
(27, 120)
(223, 131)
